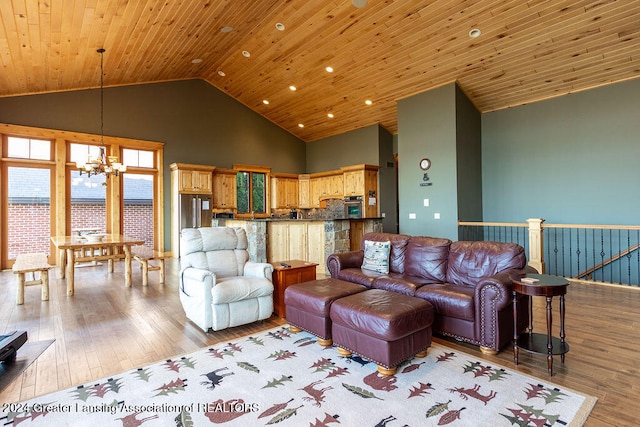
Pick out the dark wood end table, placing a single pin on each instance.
(546, 286)
(297, 272)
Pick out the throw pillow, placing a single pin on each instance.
(376, 256)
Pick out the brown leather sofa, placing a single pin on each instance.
(466, 282)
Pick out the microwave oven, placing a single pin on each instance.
(353, 207)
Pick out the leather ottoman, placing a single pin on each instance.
(308, 304)
(382, 326)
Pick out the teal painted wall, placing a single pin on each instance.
(468, 158)
(349, 148)
(372, 145)
(572, 159)
(427, 128)
(197, 122)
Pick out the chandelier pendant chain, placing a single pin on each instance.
(103, 164)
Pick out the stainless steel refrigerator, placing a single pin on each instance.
(195, 210)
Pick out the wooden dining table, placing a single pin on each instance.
(111, 247)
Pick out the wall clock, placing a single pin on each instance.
(425, 164)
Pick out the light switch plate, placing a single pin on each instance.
(426, 202)
(436, 216)
(412, 216)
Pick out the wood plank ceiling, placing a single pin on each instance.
(388, 50)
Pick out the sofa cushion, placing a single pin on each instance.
(471, 261)
(358, 275)
(449, 300)
(426, 257)
(376, 256)
(397, 250)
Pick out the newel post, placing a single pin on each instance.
(536, 241)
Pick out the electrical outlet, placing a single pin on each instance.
(412, 216)
(436, 216)
(384, 215)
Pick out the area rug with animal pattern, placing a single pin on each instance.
(277, 377)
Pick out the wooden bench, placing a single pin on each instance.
(32, 263)
(143, 255)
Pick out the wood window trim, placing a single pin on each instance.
(267, 189)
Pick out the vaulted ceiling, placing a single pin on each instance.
(254, 50)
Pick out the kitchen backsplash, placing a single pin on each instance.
(334, 210)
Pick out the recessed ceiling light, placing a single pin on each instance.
(265, 101)
(330, 115)
(196, 61)
(246, 54)
(300, 125)
(293, 88)
(475, 33)
(280, 26)
(226, 29)
(221, 73)
(329, 69)
(368, 102)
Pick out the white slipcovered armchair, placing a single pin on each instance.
(219, 286)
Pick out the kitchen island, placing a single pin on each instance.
(313, 240)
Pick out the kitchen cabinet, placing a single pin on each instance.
(325, 185)
(224, 189)
(303, 240)
(192, 179)
(362, 180)
(304, 191)
(284, 191)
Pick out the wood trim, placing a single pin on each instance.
(34, 132)
(188, 166)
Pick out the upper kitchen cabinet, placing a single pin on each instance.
(360, 180)
(326, 185)
(224, 189)
(192, 179)
(284, 191)
(304, 191)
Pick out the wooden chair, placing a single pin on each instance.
(144, 255)
(32, 263)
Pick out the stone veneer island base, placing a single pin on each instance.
(312, 240)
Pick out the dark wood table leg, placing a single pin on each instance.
(549, 339)
(562, 334)
(515, 328)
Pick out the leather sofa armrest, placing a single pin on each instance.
(498, 288)
(258, 269)
(342, 260)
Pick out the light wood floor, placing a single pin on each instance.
(106, 328)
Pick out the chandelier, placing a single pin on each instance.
(101, 164)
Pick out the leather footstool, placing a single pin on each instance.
(382, 326)
(308, 304)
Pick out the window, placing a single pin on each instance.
(83, 152)
(138, 206)
(139, 158)
(26, 148)
(251, 188)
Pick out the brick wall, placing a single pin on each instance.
(29, 225)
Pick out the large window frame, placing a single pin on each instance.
(30, 160)
(61, 167)
(252, 171)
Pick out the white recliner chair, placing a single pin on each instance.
(219, 286)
